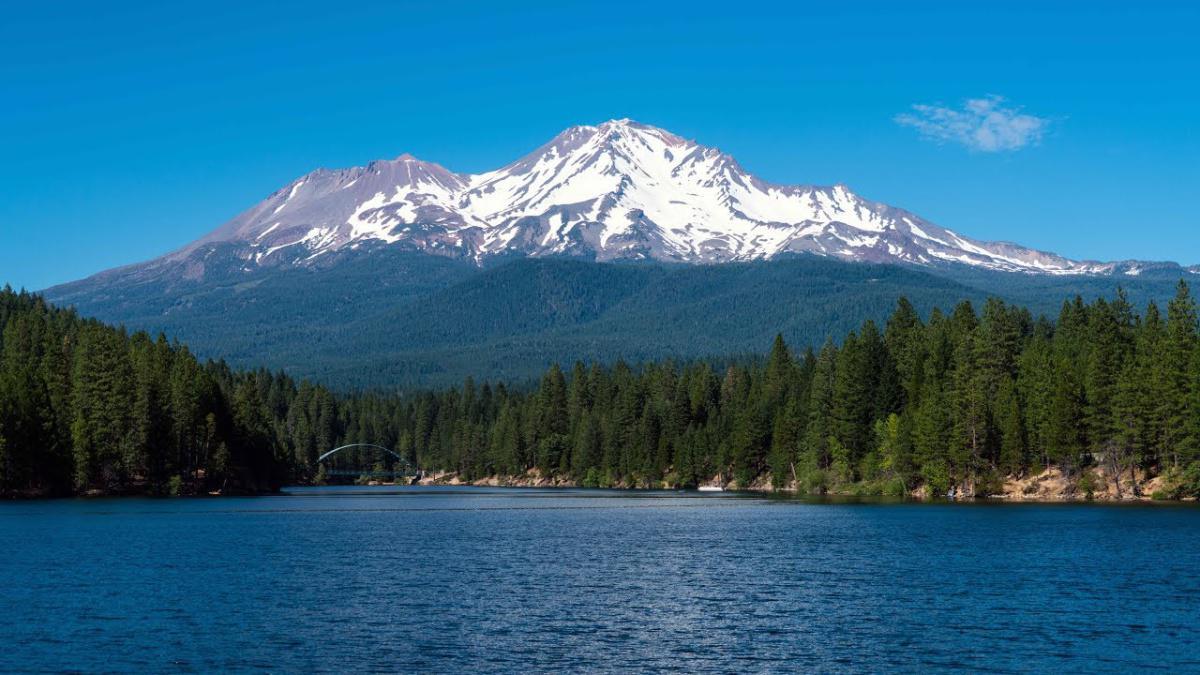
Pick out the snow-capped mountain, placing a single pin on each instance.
(617, 191)
(391, 273)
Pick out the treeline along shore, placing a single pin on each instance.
(1102, 402)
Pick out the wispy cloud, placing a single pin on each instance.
(983, 124)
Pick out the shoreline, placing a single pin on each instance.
(1049, 486)
(783, 492)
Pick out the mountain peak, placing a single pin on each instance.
(634, 125)
(626, 126)
(607, 125)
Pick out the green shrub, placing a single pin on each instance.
(988, 484)
(937, 479)
(1088, 484)
(815, 482)
(1180, 483)
(1188, 484)
(894, 487)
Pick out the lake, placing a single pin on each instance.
(501, 580)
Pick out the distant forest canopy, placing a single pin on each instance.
(956, 401)
(382, 318)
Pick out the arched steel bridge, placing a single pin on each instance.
(400, 467)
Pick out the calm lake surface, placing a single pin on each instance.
(476, 579)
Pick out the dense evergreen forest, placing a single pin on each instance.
(84, 407)
(957, 401)
(384, 318)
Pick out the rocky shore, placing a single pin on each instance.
(1050, 485)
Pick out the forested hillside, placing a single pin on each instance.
(957, 401)
(87, 408)
(389, 319)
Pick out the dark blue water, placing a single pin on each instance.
(461, 580)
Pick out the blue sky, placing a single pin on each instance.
(128, 130)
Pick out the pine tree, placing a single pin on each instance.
(970, 413)
(550, 432)
(932, 433)
(905, 338)
(252, 435)
(821, 410)
(780, 373)
(1176, 363)
(586, 454)
(1035, 384)
(853, 399)
(505, 451)
(6, 419)
(102, 400)
(786, 434)
(1105, 359)
(1010, 424)
(751, 436)
(1131, 436)
(1191, 452)
(1066, 441)
(579, 396)
(1152, 368)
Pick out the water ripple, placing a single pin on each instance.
(483, 580)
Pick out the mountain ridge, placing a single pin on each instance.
(620, 190)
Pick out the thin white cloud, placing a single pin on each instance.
(983, 124)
